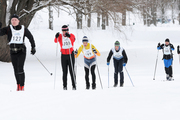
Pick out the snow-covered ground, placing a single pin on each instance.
(148, 100)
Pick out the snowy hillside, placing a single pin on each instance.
(148, 100)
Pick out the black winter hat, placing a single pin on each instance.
(167, 40)
(15, 16)
(65, 28)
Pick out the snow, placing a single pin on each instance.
(148, 100)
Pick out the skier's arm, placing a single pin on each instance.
(56, 37)
(109, 56)
(72, 37)
(178, 51)
(79, 51)
(3, 31)
(125, 56)
(30, 37)
(98, 53)
(172, 47)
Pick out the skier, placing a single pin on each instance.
(178, 50)
(90, 53)
(66, 41)
(15, 35)
(120, 59)
(167, 49)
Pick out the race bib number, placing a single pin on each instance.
(67, 43)
(88, 54)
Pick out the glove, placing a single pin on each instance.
(124, 64)
(0, 24)
(94, 51)
(108, 63)
(159, 44)
(57, 35)
(68, 35)
(33, 51)
(178, 50)
(76, 52)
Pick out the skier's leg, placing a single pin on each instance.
(15, 66)
(87, 77)
(120, 69)
(93, 76)
(115, 73)
(21, 61)
(71, 69)
(64, 69)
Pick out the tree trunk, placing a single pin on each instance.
(107, 20)
(163, 15)
(50, 17)
(79, 19)
(98, 20)
(4, 49)
(124, 18)
(89, 13)
(154, 13)
(144, 16)
(103, 21)
(179, 10)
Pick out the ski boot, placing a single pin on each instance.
(21, 88)
(64, 88)
(121, 84)
(167, 77)
(93, 86)
(115, 85)
(87, 87)
(74, 88)
(18, 87)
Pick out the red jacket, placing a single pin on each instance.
(65, 51)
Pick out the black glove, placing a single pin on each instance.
(159, 44)
(57, 35)
(76, 52)
(178, 47)
(94, 51)
(33, 51)
(178, 51)
(0, 24)
(68, 35)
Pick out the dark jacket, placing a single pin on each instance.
(123, 53)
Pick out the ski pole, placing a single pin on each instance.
(108, 76)
(72, 66)
(43, 65)
(99, 75)
(129, 76)
(55, 66)
(156, 65)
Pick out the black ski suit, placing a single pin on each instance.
(18, 52)
(118, 65)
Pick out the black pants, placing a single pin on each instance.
(18, 60)
(93, 76)
(118, 68)
(66, 63)
(169, 71)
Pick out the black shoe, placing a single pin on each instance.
(64, 88)
(115, 85)
(74, 88)
(87, 87)
(121, 84)
(93, 87)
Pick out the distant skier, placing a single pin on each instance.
(120, 59)
(167, 49)
(66, 41)
(90, 53)
(16, 34)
